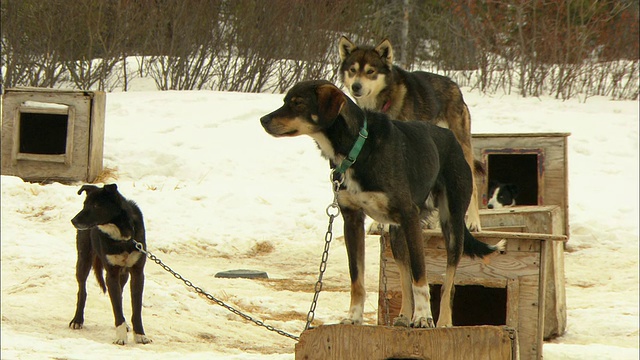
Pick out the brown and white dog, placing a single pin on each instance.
(402, 170)
(378, 85)
(106, 226)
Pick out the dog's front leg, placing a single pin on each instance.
(354, 240)
(422, 316)
(83, 268)
(115, 295)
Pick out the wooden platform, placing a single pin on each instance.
(364, 342)
(510, 289)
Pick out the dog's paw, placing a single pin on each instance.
(121, 334)
(351, 322)
(423, 322)
(401, 321)
(142, 339)
(474, 226)
(75, 324)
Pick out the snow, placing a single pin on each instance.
(218, 193)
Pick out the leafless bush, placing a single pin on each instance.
(563, 48)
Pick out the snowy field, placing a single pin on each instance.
(218, 193)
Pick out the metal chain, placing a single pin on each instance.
(333, 210)
(383, 266)
(199, 290)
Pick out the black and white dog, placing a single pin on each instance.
(106, 226)
(502, 195)
(401, 169)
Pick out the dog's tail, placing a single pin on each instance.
(97, 269)
(474, 247)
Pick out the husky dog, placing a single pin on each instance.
(378, 85)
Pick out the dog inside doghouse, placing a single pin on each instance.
(520, 169)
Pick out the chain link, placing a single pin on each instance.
(333, 210)
(199, 290)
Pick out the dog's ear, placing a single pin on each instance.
(513, 189)
(330, 102)
(88, 188)
(386, 51)
(111, 188)
(345, 47)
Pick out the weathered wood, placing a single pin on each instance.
(352, 342)
(540, 220)
(551, 150)
(525, 270)
(84, 111)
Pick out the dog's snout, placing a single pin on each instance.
(265, 120)
(490, 206)
(356, 87)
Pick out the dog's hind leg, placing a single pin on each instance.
(461, 130)
(83, 268)
(401, 257)
(452, 225)
(137, 286)
(354, 241)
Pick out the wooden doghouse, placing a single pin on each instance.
(538, 164)
(509, 291)
(524, 287)
(50, 134)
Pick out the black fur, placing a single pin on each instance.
(402, 164)
(105, 227)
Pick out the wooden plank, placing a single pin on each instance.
(520, 135)
(528, 310)
(330, 342)
(96, 135)
(513, 298)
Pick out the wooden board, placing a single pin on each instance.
(354, 342)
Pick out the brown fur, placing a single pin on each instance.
(378, 85)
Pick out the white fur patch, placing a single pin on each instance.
(125, 259)
(325, 147)
(422, 316)
(121, 334)
(443, 124)
(368, 98)
(355, 315)
(374, 204)
(113, 231)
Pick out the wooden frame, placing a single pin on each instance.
(83, 149)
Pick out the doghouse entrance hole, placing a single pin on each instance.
(518, 169)
(473, 305)
(43, 131)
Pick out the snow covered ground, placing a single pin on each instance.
(218, 193)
